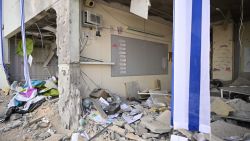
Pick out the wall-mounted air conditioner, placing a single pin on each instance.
(91, 19)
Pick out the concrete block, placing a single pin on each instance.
(160, 125)
(220, 107)
(118, 130)
(129, 128)
(132, 136)
(222, 129)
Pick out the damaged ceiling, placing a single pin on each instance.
(43, 31)
(220, 9)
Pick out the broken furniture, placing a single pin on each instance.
(240, 86)
(242, 90)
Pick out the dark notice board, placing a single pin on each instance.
(135, 57)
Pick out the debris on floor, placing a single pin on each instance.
(148, 120)
(106, 116)
(226, 130)
(27, 113)
(113, 118)
(220, 107)
(25, 100)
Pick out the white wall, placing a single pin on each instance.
(100, 48)
(223, 52)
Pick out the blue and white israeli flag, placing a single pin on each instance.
(190, 82)
(1, 33)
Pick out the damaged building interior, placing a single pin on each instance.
(101, 72)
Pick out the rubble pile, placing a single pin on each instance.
(28, 113)
(230, 119)
(25, 99)
(108, 117)
(41, 124)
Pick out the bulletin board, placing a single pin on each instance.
(135, 57)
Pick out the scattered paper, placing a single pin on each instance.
(27, 95)
(50, 84)
(30, 60)
(85, 135)
(134, 112)
(131, 119)
(34, 100)
(103, 102)
(95, 116)
(113, 116)
(178, 138)
(74, 137)
(125, 107)
(140, 8)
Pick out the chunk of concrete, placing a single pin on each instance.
(44, 135)
(242, 108)
(15, 124)
(150, 135)
(43, 125)
(132, 136)
(129, 128)
(15, 116)
(119, 123)
(220, 107)
(223, 130)
(140, 130)
(189, 135)
(213, 138)
(118, 130)
(239, 105)
(160, 125)
(55, 137)
(199, 137)
(97, 93)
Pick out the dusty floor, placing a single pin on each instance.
(44, 124)
(31, 132)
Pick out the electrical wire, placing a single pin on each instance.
(83, 46)
(241, 24)
(88, 87)
(90, 79)
(40, 34)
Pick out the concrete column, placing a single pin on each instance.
(68, 34)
